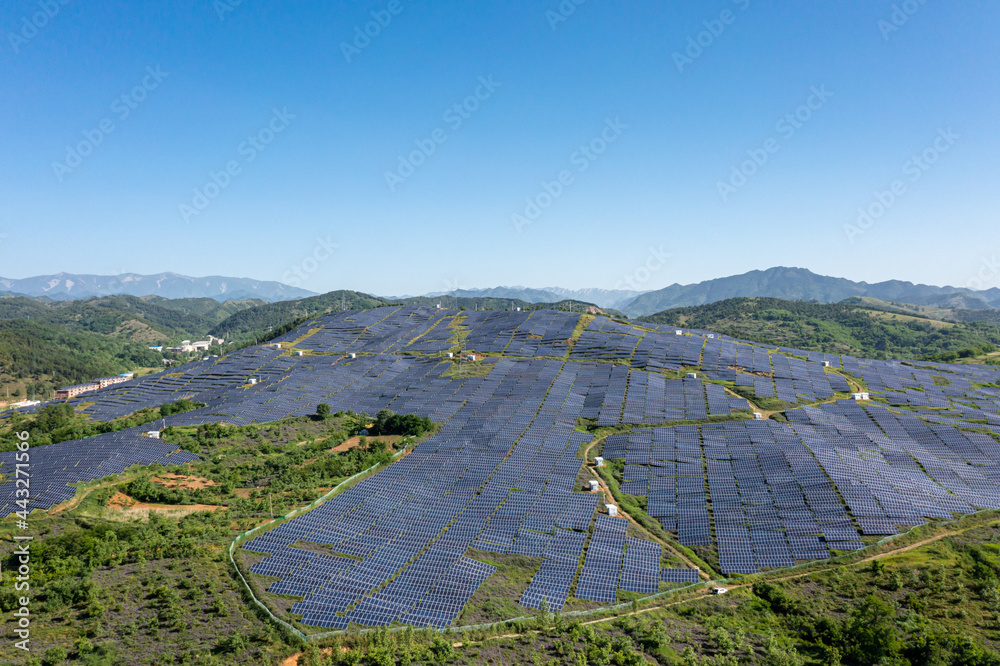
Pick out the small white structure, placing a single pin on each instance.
(719, 590)
(692, 375)
(471, 357)
(353, 355)
(861, 396)
(678, 332)
(612, 509)
(451, 355)
(155, 434)
(519, 309)
(710, 336)
(757, 416)
(253, 381)
(594, 485)
(599, 461)
(300, 353)
(826, 364)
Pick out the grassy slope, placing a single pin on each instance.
(161, 590)
(46, 344)
(839, 328)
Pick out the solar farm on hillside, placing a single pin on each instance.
(503, 473)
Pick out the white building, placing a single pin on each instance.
(25, 403)
(861, 396)
(599, 461)
(612, 509)
(594, 485)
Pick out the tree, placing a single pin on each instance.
(870, 636)
(322, 411)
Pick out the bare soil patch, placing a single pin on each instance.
(183, 482)
(127, 507)
(390, 442)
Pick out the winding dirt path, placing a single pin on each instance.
(609, 496)
(706, 593)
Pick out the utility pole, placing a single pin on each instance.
(270, 507)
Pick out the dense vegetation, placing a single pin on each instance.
(60, 423)
(835, 327)
(387, 423)
(48, 344)
(36, 357)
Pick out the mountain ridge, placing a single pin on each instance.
(74, 286)
(800, 284)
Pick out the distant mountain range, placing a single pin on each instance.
(791, 284)
(799, 284)
(67, 286)
(604, 298)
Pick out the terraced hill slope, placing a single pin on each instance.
(525, 401)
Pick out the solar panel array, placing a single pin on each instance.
(679, 575)
(552, 581)
(603, 564)
(641, 568)
(501, 473)
(55, 466)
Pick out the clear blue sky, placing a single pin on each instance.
(224, 67)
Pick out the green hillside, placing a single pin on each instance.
(45, 344)
(36, 357)
(856, 328)
(209, 308)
